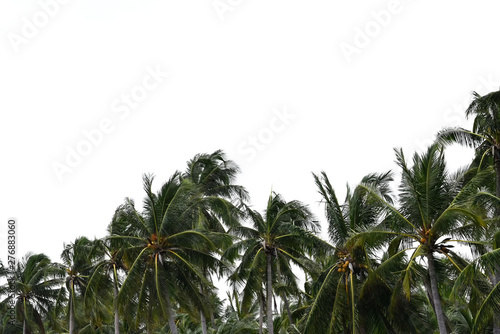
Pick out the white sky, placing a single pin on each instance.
(231, 70)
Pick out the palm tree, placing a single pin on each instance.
(434, 208)
(219, 200)
(104, 279)
(36, 289)
(485, 138)
(283, 235)
(345, 274)
(165, 251)
(77, 262)
(215, 175)
(485, 134)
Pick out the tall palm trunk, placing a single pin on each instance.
(496, 274)
(25, 328)
(71, 317)
(117, 317)
(269, 295)
(71, 312)
(202, 314)
(203, 323)
(438, 309)
(261, 311)
(171, 314)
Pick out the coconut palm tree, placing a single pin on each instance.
(485, 134)
(435, 210)
(165, 252)
(485, 138)
(219, 200)
(283, 235)
(104, 279)
(215, 175)
(78, 259)
(345, 273)
(35, 290)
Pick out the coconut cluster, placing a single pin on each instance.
(346, 263)
(343, 264)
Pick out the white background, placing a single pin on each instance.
(232, 65)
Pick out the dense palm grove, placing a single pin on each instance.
(424, 259)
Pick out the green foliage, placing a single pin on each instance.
(424, 260)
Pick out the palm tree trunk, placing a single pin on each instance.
(261, 312)
(203, 323)
(435, 295)
(71, 313)
(71, 317)
(269, 295)
(171, 314)
(25, 329)
(117, 317)
(202, 315)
